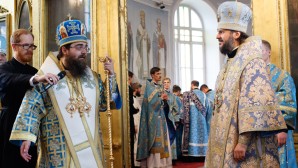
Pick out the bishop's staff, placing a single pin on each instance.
(109, 114)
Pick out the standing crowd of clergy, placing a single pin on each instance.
(248, 121)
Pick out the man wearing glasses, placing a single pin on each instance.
(16, 77)
(64, 120)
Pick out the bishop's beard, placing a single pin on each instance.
(227, 47)
(76, 67)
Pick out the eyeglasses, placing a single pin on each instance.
(81, 47)
(26, 46)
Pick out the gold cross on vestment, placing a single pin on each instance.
(230, 13)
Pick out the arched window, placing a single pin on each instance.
(189, 46)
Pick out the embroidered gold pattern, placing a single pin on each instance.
(78, 101)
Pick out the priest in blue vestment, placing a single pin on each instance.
(154, 148)
(285, 92)
(209, 93)
(196, 118)
(172, 111)
(179, 126)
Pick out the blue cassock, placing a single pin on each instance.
(285, 92)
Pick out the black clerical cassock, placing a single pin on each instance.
(14, 82)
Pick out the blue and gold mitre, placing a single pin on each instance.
(234, 15)
(70, 31)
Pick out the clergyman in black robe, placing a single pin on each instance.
(14, 82)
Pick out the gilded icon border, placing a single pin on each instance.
(5, 17)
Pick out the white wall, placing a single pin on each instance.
(207, 13)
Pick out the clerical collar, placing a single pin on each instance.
(233, 53)
(16, 60)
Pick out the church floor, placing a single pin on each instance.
(181, 164)
(189, 162)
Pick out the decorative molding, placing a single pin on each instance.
(3, 10)
(280, 27)
(30, 2)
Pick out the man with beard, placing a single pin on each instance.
(154, 148)
(245, 119)
(16, 77)
(143, 60)
(64, 120)
(159, 48)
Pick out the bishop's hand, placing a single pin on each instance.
(24, 149)
(109, 65)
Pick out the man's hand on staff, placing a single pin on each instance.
(109, 65)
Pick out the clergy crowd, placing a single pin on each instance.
(50, 117)
(247, 121)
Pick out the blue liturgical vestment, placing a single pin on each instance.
(211, 95)
(65, 140)
(153, 134)
(198, 125)
(285, 91)
(173, 116)
(179, 128)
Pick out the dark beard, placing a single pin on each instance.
(138, 94)
(227, 47)
(76, 67)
